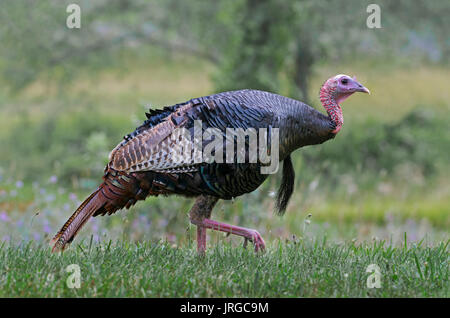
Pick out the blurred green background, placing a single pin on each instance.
(67, 96)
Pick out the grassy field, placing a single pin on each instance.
(288, 269)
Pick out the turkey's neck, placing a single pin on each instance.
(331, 105)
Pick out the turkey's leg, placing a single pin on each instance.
(199, 215)
(201, 239)
(200, 210)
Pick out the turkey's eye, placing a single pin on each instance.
(344, 81)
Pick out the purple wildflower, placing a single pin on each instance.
(47, 228)
(4, 216)
(94, 227)
(50, 198)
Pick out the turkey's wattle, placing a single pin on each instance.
(141, 164)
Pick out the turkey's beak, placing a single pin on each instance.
(360, 88)
(363, 89)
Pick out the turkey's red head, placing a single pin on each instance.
(334, 91)
(346, 86)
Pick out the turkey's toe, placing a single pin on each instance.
(245, 242)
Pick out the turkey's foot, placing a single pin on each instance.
(249, 234)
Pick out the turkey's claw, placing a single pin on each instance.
(258, 241)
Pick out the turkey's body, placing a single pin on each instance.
(142, 165)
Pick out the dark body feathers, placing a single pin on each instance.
(141, 164)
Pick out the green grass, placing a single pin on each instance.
(294, 268)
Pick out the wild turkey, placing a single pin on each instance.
(142, 165)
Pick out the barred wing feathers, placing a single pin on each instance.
(151, 146)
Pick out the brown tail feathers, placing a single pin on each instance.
(92, 204)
